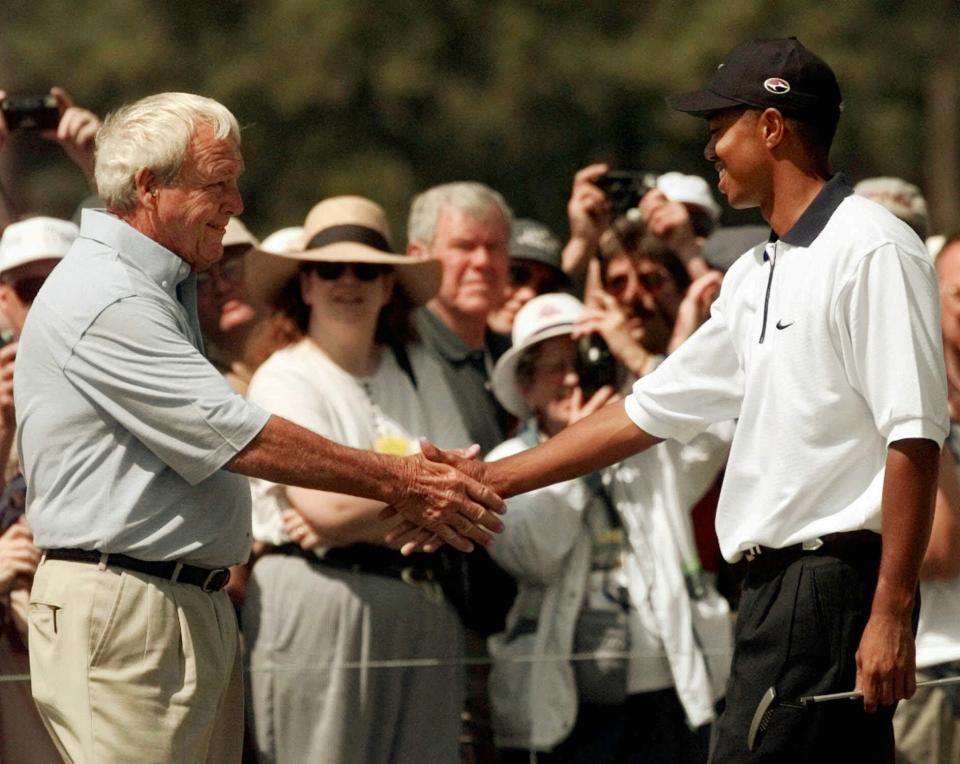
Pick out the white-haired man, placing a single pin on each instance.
(466, 226)
(131, 440)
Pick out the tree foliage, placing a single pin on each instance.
(385, 98)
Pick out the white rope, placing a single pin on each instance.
(270, 667)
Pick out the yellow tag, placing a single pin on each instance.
(393, 445)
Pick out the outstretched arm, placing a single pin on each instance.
(603, 438)
(427, 494)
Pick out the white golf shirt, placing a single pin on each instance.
(825, 343)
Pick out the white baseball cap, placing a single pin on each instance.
(543, 317)
(33, 239)
(689, 189)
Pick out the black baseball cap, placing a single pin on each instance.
(780, 73)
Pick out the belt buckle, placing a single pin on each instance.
(752, 552)
(216, 579)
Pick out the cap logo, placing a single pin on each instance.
(776, 85)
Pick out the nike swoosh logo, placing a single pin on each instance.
(781, 325)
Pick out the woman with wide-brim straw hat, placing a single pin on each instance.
(334, 599)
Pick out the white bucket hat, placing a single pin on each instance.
(34, 239)
(543, 317)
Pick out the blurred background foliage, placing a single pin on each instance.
(386, 98)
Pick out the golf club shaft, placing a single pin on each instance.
(854, 694)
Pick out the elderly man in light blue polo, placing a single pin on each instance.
(132, 444)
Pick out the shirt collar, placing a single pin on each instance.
(134, 248)
(439, 336)
(818, 212)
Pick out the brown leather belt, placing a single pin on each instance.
(208, 579)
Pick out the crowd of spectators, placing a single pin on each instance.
(594, 629)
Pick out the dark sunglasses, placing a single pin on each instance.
(361, 271)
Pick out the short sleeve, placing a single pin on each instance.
(889, 321)
(696, 386)
(136, 366)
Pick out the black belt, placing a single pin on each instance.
(369, 558)
(860, 544)
(210, 580)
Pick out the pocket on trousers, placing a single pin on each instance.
(44, 620)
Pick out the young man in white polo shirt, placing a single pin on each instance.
(825, 344)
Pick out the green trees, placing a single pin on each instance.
(384, 98)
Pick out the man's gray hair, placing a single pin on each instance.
(476, 199)
(153, 133)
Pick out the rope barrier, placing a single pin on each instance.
(268, 667)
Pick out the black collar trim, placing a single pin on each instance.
(815, 217)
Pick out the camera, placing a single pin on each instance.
(596, 365)
(31, 112)
(625, 188)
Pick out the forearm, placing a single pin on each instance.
(291, 455)
(605, 437)
(909, 488)
(942, 560)
(340, 518)
(576, 256)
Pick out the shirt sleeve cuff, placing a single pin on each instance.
(657, 427)
(239, 438)
(927, 429)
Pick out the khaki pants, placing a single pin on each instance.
(928, 725)
(131, 668)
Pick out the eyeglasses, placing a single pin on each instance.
(652, 282)
(361, 271)
(228, 269)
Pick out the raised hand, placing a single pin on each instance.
(76, 132)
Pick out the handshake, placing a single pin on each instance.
(448, 497)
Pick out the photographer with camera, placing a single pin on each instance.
(600, 565)
(681, 211)
(647, 305)
(57, 118)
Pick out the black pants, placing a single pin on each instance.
(649, 728)
(798, 629)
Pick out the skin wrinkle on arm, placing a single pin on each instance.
(288, 454)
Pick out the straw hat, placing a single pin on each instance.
(342, 229)
(543, 317)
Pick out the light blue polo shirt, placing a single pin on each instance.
(123, 425)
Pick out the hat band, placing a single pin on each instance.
(359, 234)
